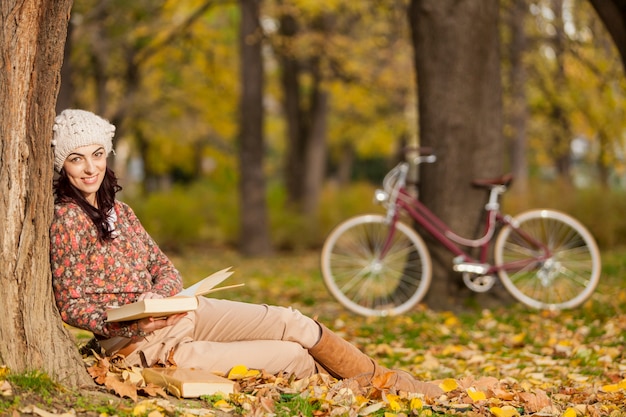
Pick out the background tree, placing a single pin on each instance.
(573, 79)
(335, 65)
(613, 15)
(457, 64)
(254, 235)
(515, 48)
(32, 335)
(305, 104)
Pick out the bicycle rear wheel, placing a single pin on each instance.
(561, 276)
(370, 277)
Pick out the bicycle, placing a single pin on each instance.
(377, 265)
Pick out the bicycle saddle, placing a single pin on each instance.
(505, 180)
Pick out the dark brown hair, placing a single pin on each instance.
(65, 192)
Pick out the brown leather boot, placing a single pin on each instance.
(343, 360)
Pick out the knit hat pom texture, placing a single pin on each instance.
(75, 128)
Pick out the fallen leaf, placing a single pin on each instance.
(120, 388)
(570, 412)
(384, 381)
(476, 395)
(448, 385)
(506, 411)
(242, 371)
(416, 404)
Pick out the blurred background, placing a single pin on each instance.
(338, 102)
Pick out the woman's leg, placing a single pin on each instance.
(221, 334)
(343, 360)
(230, 321)
(273, 356)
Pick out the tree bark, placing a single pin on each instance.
(306, 114)
(254, 237)
(518, 106)
(32, 335)
(315, 162)
(613, 15)
(457, 65)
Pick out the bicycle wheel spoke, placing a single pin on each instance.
(552, 262)
(372, 273)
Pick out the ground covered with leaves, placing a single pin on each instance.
(501, 362)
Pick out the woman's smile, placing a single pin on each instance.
(85, 168)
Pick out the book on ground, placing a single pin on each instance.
(182, 302)
(189, 382)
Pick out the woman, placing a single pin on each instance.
(102, 256)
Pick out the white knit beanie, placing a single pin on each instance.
(75, 128)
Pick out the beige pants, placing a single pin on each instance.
(221, 334)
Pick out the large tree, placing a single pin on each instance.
(457, 63)
(32, 335)
(254, 234)
(613, 15)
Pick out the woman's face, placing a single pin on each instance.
(85, 167)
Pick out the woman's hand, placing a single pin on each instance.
(150, 324)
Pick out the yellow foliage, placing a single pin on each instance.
(448, 385)
(416, 404)
(476, 395)
(506, 411)
(241, 371)
(570, 412)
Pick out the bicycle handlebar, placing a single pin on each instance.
(426, 155)
(427, 159)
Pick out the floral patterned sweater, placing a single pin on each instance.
(89, 275)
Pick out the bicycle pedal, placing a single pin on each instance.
(473, 268)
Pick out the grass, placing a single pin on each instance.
(550, 349)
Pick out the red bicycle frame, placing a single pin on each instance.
(423, 216)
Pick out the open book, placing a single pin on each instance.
(189, 382)
(184, 301)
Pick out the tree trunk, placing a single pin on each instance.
(316, 149)
(254, 238)
(457, 64)
(562, 134)
(613, 15)
(66, 98)
(294, 117)
(32, 335)
(306, 113)
(518, 110)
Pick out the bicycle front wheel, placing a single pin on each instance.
(373, 269)
(548, 260)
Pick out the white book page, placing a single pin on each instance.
(206, 283)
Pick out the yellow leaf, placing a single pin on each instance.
(360, 400)
(223, 405)
(238, 372)
(506, 411)
(476, 395)
(518, 339)
(451, 321)
(393, 401)
(252, 372)
(241, 371)
(610, 388)
(448, 385)
(622, 384)
(390, 414)
(395, 405)
(570, 412)
(416, 404)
